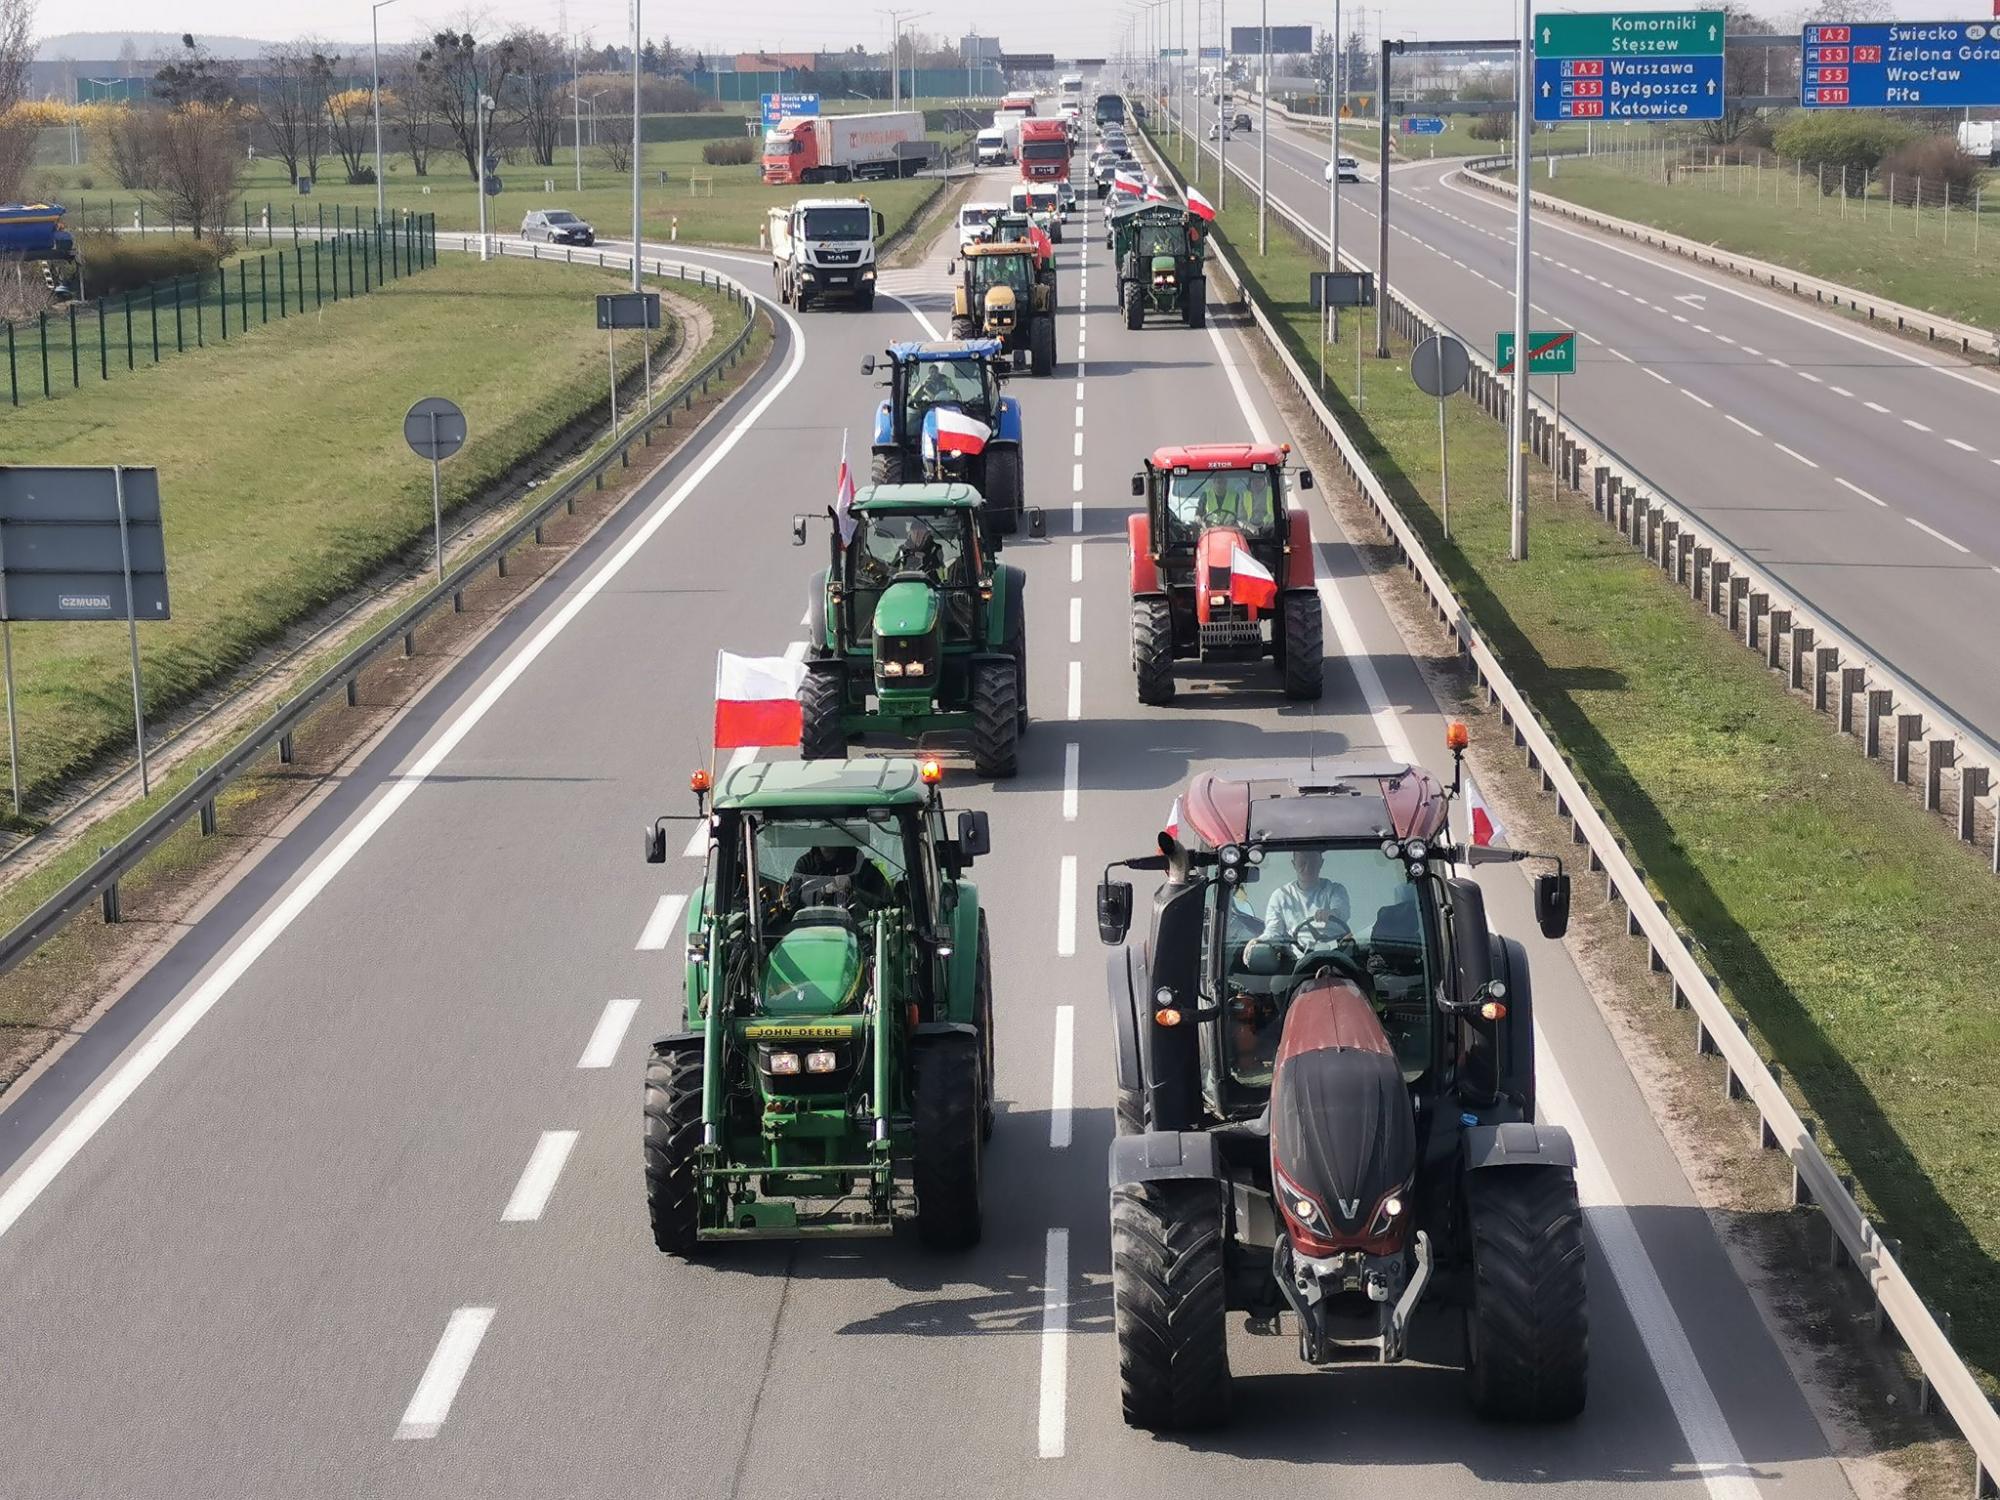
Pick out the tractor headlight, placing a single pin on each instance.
(892, 669)
(913, 668)
(782, 1064)
(1215, 599)
(821, 1062)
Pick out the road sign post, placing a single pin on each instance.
(1440, 367)
(435, 429)
(1629, 65)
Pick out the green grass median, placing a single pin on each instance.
(1860, 940)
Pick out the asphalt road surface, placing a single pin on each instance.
(1856, 467)
(344, 1198)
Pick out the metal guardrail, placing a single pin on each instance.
(1945, 1378)
(99, 882)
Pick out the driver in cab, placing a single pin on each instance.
(1306, 901)
(920, 552)
(836, 875)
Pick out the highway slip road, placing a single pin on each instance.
(1856, 467)
(344, 1198)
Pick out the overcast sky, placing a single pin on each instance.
(1065, 27)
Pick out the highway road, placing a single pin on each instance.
(343, 1198)
(1858, 468)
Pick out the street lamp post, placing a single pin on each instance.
(375, 56)
(576, 109)
(635, 147)
(1264, 118)
(481, 107)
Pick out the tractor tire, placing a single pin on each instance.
(821, 737)
(1042, 346)
(1134, 304)
(1168, 1304)
(1527, 1327)
(1003, 488)
(673, 1137)
(1130, 1115)
(1016, 639)
(1302, 660)
(816, 647)
(885, 468)
(946, 1098)
(982, 1005)
(1153, 648)
(1194, 303)
(996, 719)
(964, 328)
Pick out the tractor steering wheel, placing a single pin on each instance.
(1317, 931)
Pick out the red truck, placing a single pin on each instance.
(1045, 150)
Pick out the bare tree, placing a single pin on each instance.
(615, 149)
(129, 139)
(291, 104)
(191, 76)
(197, 156)
(457, 72)
(17, 136)
(539, 91)
(349, 115)
(411, 115)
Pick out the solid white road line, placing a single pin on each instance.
(1744, 425)
(1066, 908)
(431, 1402)
(1072, 753)
(1075, 620)
(660, 926)
(1076, 562)
(1861, 492)
(1062, 1078)
(1932, 531)
(538, 1178)
(1076, 690)
(48, 1163)
(602, 1049)
(1055, 1345)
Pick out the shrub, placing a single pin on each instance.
(1933, 166)
(1497, 126)
(736, 153)
(117, 263)
(86, 182)
(1839, 144)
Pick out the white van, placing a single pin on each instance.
(975, 223)
(990, 149)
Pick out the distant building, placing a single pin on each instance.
(776, 62)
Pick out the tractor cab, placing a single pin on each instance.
(1002, 295)
(1159, 250)
(945, 419)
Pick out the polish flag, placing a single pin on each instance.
(1250, 582)
(1485, 828)
(757, 700)
(1157, 194)
(948, 430)
(1199, 206)
(1173, 829)
(843, 496)
(1125, 182)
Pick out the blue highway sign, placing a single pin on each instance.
(1900, 65)
(1422, 125)
(1628, 88)
(777, 106)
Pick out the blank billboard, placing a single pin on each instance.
(1244, 41)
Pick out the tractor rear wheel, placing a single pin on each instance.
(1168, 1304)
(1017, 638)
(1003, 488)
(673, 1136)
(1135, 305)
(1042, 346)
(1153, 648)
(1527, 1328)
(1302, 660)
(946, 1165)
(1194, 302)
(982, 1005)
(886, 468)
(820, 734)
(964, 328)
(996, 718)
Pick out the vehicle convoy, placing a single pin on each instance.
(840, 148)
(1045, 151)
(914, 631)
(1159, 249)
(34, 231)
(961, 376)
(1326, 1101)
(835, 1068)
(1223, 569)
(824, 247)
(1001, 295)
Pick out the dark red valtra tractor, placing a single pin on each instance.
(1326, 1100)
(1222, 567)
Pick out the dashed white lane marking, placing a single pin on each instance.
(1793, 453)
(1062, 1078)
(1066, 908)
(1079, 446)
(660, 925)
(1744, 425)
(1659, 377)
(1079, 390)
(1861, 492)
(1072, 755)
(1075, 705)
(1932, 531)
(1624, 356)
(1725, 338)
(1876, 406)
(1697, 399)
(430, 1404)
(1079, 414)
(1677, 317)
(1753, 353)
(1913, 422)
(1962, 447)
(1075, 621)
(1774, 360)
(1808, 375)
(538, 1178)
(1076, 562)
(1076, 515)
(1055, 1345)
(1076, 478)
(1841, 390)
(1592, 338)
(602, 1049)
(1701, 328)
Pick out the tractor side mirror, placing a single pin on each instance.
(1138, 486)
(1305, 479)
(1552, 904)
(798, 531)
(656, 844)
(975, 835)
(951, 268)
(1114, 910)
(867, 364)
(1038, 523)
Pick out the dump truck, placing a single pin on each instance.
(841, 148)
(824, 247)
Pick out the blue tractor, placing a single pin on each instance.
(922, 429)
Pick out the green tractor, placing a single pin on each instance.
(914, 630)
(835, 1069)
(1159, 251)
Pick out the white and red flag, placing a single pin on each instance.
(757, 700)
(1173, 828)
(1483, 827)
(843, 496)
(948, 430)
(1157, 194)
(1250, 582)
(1199, 206)
(1127, 182)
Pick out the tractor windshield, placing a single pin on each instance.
(1226, 497)
(1354, 904)
(1000, 270)
(947, 382)
(1163, 239)
(926, 542)
(853, 866)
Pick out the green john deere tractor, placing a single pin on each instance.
(1159, 251)
(915, 631)
(835, 1068)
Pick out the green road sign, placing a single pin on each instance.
(1550, 352)
(1631, 33)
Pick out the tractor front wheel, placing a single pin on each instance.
(982, 1005)
(1168, 1304)
(673, 1136)
(1527, 1328)
(946, 1165)
(996, 718)
(964, 328)
(820, 734)
(1153, 649)
(1003, 488)
(886, 468)
(1135, 305)
(1042, 345)
(1303, 656)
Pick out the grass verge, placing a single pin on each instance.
(1861, 944)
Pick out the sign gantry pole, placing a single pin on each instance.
(1517, 429)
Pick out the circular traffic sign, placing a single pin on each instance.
(1439, 365)
(434, 428)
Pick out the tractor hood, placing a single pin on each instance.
(907, 607)
(813, 971)
(1164, 267)
(1000, 308)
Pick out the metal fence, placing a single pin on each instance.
(89, 340)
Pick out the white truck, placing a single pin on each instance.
(1980, 138)
(824, 247)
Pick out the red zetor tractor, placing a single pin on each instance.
(1222, 567)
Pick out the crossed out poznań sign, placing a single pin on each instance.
(1629, 65)
(1550, 352)
(1900, 65)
